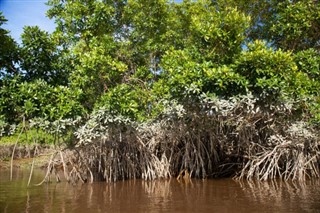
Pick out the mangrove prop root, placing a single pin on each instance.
(14, 148)
(31, 171)
(49, 169)
(239, 143)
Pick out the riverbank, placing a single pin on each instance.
(39, 162)
(25, 155)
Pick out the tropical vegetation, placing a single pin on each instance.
(146, 89)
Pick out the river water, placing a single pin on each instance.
(219, 195)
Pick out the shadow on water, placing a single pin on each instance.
(221, 195)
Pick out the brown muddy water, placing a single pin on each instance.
(221, 195)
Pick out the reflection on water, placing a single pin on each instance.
(292, 196)
(222, 195)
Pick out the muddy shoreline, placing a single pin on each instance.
(25, 155)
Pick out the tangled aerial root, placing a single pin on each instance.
(231, 138)
(286, 161)
(201, 154)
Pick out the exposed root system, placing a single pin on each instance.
(238, 141)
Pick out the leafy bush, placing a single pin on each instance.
(269, 73)
(38, 99)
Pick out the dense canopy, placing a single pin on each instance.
(129, 55)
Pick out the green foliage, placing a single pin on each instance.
(179, 72)
(9, 99)
(270, 73)
(289, 25)
(308, 82)
(129, 100)
(39, 57)
(131, 57)
(98, 68)
(6, 128)
(82, 19)
(295, 25)
(29, 137)
(217, 34)
(38, 99)
(184, 77)
(308, 61)
(8, 52)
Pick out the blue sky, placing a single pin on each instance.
(20, 13)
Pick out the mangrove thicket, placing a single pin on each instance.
(153, 88)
